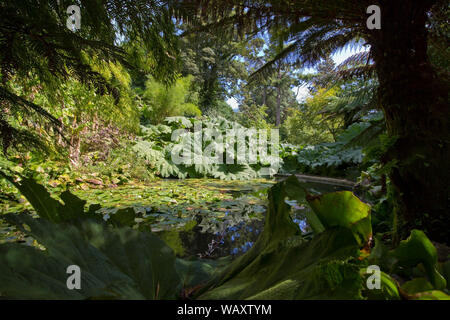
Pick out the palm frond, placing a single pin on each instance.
(368, 135)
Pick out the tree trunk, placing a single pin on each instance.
(416, 108)
(265, 96)
(278, 109)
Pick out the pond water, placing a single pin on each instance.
(237, 234)
(197, 217)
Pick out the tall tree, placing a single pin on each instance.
(213, 62)
(274, 91)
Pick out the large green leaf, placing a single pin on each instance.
(417, 248)
(198, 272)
(39, 198)
(282, 265)
(343, 209)
(388, 288)
(290, 269)
(48, 207)
(295, 191)
(336, 209)
(119, 263)
(156, 147)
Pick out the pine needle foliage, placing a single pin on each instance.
(36, 43)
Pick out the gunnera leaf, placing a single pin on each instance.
(282, 265)
(417, 248)
(343, 209)
(46, 206)
(388, 287)
(115, 263)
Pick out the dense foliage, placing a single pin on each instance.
(329, 262)
(116, 133)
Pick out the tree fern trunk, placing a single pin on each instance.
(416, 109)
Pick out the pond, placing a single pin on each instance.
(206, 218)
